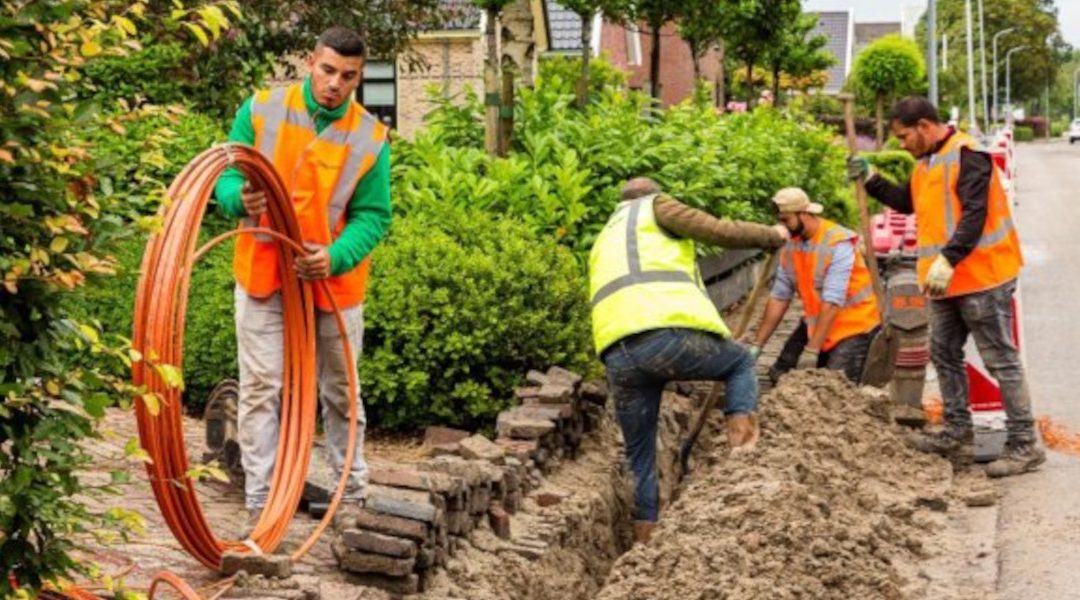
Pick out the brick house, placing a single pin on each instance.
(628, 48)
(453, 57)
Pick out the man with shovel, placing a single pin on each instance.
(653, 323)
(823, 263)
(968, 263)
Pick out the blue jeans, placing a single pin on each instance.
(639, 367)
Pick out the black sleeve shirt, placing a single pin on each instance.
(973, 189)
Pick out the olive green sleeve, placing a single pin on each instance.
(691, 223)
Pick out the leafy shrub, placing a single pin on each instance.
(894, 165)
(155, 74)
(209, 340)
(818, 105)
(561, 73)
(455, 121)
(563, 176)
(462, 303)
(141, 151)
(1024, 133)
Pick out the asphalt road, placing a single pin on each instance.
(1038, 528)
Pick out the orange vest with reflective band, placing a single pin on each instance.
(321, 171)
(996, 258)
(808, 262)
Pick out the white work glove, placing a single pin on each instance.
(939, 278)
(808, 359)
(755, 351)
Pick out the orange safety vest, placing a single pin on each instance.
(996, 258)
(807, 262)
(321, 172)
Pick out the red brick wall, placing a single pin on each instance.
(676, 64)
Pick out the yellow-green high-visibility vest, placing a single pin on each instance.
(641, 278)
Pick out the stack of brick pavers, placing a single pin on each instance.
(416, 515)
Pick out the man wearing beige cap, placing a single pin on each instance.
(821, 262)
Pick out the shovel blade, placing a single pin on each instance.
(881, 358)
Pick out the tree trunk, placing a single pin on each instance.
(654, 61)
(695, 58)
(880, 122)
(750, 85)
(506, 116)
(721, 89)
(586, 53)
(776, 85)
(491, 86)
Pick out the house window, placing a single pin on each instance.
(633, 45)
(378, 91)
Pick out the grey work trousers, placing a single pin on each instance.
(988, 317)
(260, 350)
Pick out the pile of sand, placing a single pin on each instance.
(831, 504)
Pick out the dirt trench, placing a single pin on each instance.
(832, 504)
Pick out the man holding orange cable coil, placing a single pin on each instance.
(335, 162)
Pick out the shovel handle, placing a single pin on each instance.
(864, 211)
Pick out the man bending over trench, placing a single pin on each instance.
(653, 323)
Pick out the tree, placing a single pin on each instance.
(889, 67)
(55, 221)
(752, 27)
(701, 25)
(1037, 27)
(796, 54)
(656, 13)
(586, 10)
(492, 8)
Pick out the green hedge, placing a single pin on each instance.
(1024, 133)
(564, 174)
(462, 303)
(894, 165)
(210, 340)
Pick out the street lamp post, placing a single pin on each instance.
(982, 59)
(931, 40)
(1076, 94)
(997, 111)
(973, 121)
(1008, 76)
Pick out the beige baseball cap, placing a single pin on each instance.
(794, 200)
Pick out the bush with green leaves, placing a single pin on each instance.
(141, 151)
(56, 226)
(894, 165)
(562, 73)
(1024, 133)
(567, 165)
(209, 337)
(462, 303)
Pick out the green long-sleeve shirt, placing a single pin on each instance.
(368, 214)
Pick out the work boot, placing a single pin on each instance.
(643, 531)
(1018, 458)
(742, 431)
(248, 526)
(955, 445)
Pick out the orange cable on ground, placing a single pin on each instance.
(160, 311)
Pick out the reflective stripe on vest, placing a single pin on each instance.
(641, 279)
(321, 171)
(636, 275)
(996, 257)
(859, 313)
(361, 142)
